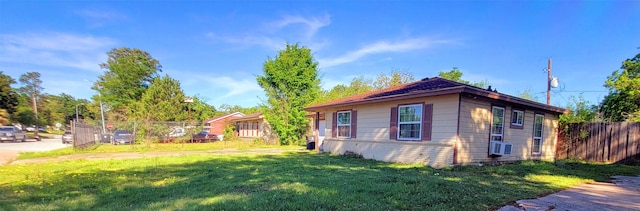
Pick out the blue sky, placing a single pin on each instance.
(216, 48)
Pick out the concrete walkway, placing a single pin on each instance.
(622, 194)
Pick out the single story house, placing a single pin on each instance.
(438, 122)
(253, 126)
(216, 124)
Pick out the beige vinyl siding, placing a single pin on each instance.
(550, 138)
(475, 123)
(431, 154)
(373, 133)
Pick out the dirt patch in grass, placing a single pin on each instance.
(7, 156)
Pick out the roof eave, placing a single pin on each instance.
(428, 93)
(517, 100)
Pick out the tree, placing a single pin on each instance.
(163, 101)
(201, 110)
(130, 73)
(32, 88)
(456, 75)
(290, 82)
(579, 111)
(8, 96)
(358, 85)
(528, 95)
(227, 109)
(623, 101)
(395, 78)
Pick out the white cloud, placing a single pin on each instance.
(55, 49)
(222, 86)
(313, 24)
(383, 47)
(274, 35)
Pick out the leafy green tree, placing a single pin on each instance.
(227, 109)
(130, 73)
(528, 95)
(291, 82)
(8, 96)
(456, 75)
(623, 101)
(358, 85)
(201, 110)
(579, 111)
(394, 78)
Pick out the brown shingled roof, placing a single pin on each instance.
(426, 87)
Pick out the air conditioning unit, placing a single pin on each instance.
(506, 148)
(500, 148)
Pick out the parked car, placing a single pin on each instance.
(67, 137)
(204, 136)
(30, 129)
(42, 129)
(12, 133)
(122, 137)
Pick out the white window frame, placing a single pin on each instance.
(519, 121)
(493, 116)
(540, 139)
(411, 122)
(338, 124)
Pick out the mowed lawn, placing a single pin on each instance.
(290, 181)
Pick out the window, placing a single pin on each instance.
(344, 124)
(409, 122)
(537, 134)
(517, 117)
(497, 124)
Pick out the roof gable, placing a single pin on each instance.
(254, 116)
(224, 116)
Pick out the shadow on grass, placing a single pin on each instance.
(294, 181)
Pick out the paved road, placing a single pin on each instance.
(9, 150)
(31, 145)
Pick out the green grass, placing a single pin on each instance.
(169, 147)
(293, 181)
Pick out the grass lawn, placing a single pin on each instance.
(293, 181)
(168, 147)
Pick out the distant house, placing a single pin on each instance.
(253, 126)
(216, 124)
(439, 122)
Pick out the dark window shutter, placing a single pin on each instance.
(393, 124)
(354, 123)
(427, 119)
(334, 125)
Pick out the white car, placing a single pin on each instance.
(12, 133)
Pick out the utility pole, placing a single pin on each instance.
(549, 82)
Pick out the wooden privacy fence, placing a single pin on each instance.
(599, 142)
